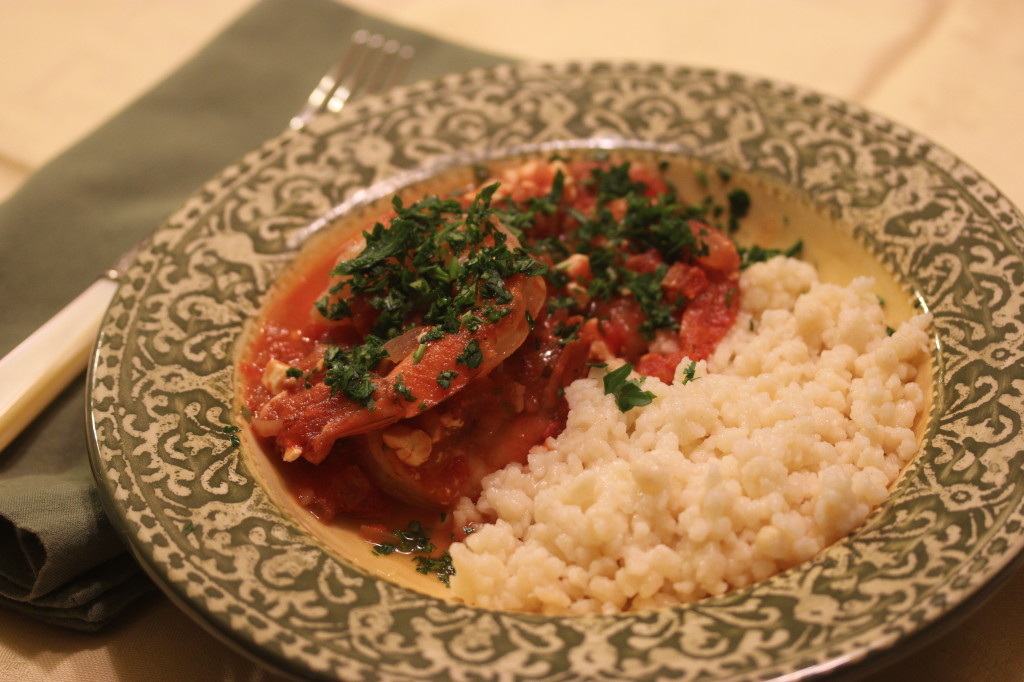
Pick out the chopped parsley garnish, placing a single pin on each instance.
(646, 289)
(627, 392)
(567, 331)
(435, 261)
(415, 540)
(232, 432)
(492, 314)
(403, 390)
(561, 303)
(739, 206)
(432, 334)
(440, 566)
(756, 254)
(417, 354)
(615, 183)
(472, 321)
(663, 226)
(347, 370)
(436, 264)
(607, 274)
(689, 372)
(548, 204)
(660, 226)
(445, 377)
(333, 308)
(445, 265)
(471, 355)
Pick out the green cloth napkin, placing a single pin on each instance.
(60, 559)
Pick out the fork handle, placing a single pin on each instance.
(42, 365)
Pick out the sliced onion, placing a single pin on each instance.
(402, 346)
(265, 428)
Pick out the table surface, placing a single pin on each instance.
(950, 69)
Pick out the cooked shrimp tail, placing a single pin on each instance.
(453, 294)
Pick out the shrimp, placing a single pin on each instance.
(346, 392)
(435, 458)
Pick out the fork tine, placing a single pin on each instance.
(382, 64)
(357, 73)
(330, 81)
(389, 51)
(370, 64)
(399, 65)
(390, 68)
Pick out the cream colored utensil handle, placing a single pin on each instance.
(44, 364)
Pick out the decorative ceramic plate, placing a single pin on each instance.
(187, 494)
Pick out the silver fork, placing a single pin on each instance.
(371, 63)
(42, 365)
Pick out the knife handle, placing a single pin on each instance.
(42, 365)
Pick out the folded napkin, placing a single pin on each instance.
(60, 559)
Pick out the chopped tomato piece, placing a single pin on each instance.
(707, 319)
(660, 365)
(722, 255)
(645, 262)
(621, 330)
(683, 281)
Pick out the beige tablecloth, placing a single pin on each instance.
(950, 69)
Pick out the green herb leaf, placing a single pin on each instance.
(347, 370)
(403, 390)
(739, 206)
(663, 226)
(627, 392)
(445, 377)
(689, 373)
(756, 254)
(232, 432)
(435, 263)
(471, 355)
(567, 332)
(415, 540)
(658, 312)
(440, 566)
(615, 183)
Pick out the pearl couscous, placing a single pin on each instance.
(781, 443)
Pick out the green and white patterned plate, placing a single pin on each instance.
(183, 490)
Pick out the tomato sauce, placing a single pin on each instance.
(630, 274)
